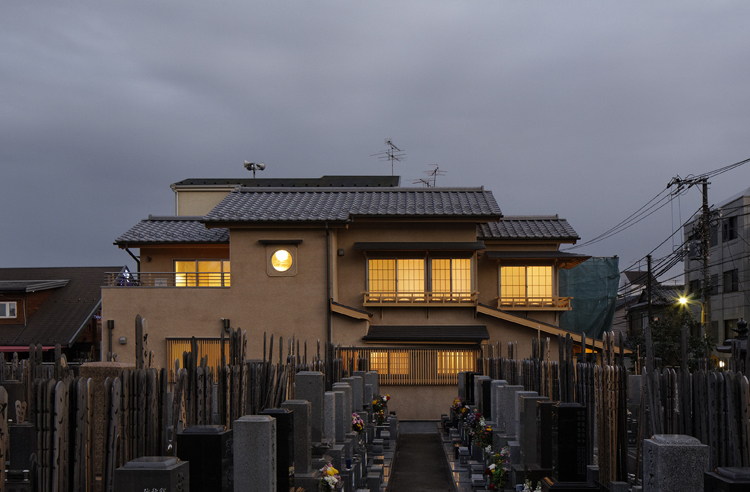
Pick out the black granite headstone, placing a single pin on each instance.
(208, 449)
(544, 411)
(487, 399)
(569, 441)
(470, 387)
(166, 473)
(727, 479)
(23, 440)
(284, 445)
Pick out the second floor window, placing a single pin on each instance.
(451, 275)
(731, 281)
(396, 275)
(419, 279)
(7, 309)
(526, 282)
(202, 273)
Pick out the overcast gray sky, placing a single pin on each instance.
(584, 109)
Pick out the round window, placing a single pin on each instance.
(281, 260)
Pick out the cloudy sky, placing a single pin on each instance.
(577, 108)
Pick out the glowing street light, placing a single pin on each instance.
(684, 301)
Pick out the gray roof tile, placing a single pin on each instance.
(336, 204)
(541, 227)
(155, 230)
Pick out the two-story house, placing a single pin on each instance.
(416, 279)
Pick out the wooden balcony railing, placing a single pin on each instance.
(553, 303)
(167, 279)
(421, 298)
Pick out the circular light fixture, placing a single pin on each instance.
(281, 260)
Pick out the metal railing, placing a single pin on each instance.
(553, 303)
(409, 367)
(167, 279)
(421, 298)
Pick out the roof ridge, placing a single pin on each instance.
(331, 189)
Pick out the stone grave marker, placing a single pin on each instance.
(517, 409)
(371, 377)
(330, 417)
(340, 419)
(478, 401)
(674, 463)
(310, 386)
(302, 441)
(495, 386)
(284, 445)
(208, 449)
(165, 473)
(254, 437)
(358, 392)
(487, 398)
(569, 440)
(529, 428)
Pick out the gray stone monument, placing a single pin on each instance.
(517, 409)
(478, 393)
(302, 440)
(347, 390)
(371, 377)
(527, 436)
(495, 386)
(329, 432)
(358, 392)
(674, 463)
(507, 409)
(254, 437)
(339, 425)
(310, 386)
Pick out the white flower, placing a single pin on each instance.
(492, 467)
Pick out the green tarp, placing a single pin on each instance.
(593, 286)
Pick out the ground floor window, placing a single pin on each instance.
(210, 347)
(414, 366)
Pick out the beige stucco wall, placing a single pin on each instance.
(420, 402)
(198, 202)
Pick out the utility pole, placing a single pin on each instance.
(705, 245)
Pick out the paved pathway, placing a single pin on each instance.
(420, 465)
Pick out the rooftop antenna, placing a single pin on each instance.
(425, 182)
(252, 166)
(392, 153)
(434, 174)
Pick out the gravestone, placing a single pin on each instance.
(347, 390)
(284, 445)
(208, 449)
(302, 442)
(340, 419)
(487, 399)
(358, 392)
(674, 463)
(517, 409)
(544, 433)
(330, 417)
(727, 479)
(369, 396)
(165, 473)
(254, 437)
(495, 386)
(469, 386)
(478, 400)
(506, 418)
(569, 441)
(23, 442)
(371, 377)
(310, 386)
(462, 385)
(529, 427)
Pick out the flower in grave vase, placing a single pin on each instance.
(329, 479)
(358, 425)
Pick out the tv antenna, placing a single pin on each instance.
(425, 182)
(434, 174)
(252, 166)
(392, 153)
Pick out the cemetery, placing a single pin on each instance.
(299, 422)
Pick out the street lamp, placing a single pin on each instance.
(684, 301)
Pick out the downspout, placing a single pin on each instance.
(328, 283)
(137, 260)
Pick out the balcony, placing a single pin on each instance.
(167, 279)
(420, 299)
(553, 303)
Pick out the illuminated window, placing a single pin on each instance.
(530, 282)
(281, 260)
(396, 275)
(202, 273)
(390, 362)
(451, 275)
(7, 309)
(454, 361)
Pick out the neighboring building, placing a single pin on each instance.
(663, 297)
(50, 306)
(416, 278)
(729, 265)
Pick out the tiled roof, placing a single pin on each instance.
(541, 227)
(325, 182)
(64, 312)
(336, 204)
(155, 230)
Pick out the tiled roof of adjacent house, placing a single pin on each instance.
(68, 308)
(337, 204)
(527, 227)
(184, 229)
(325, 181)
